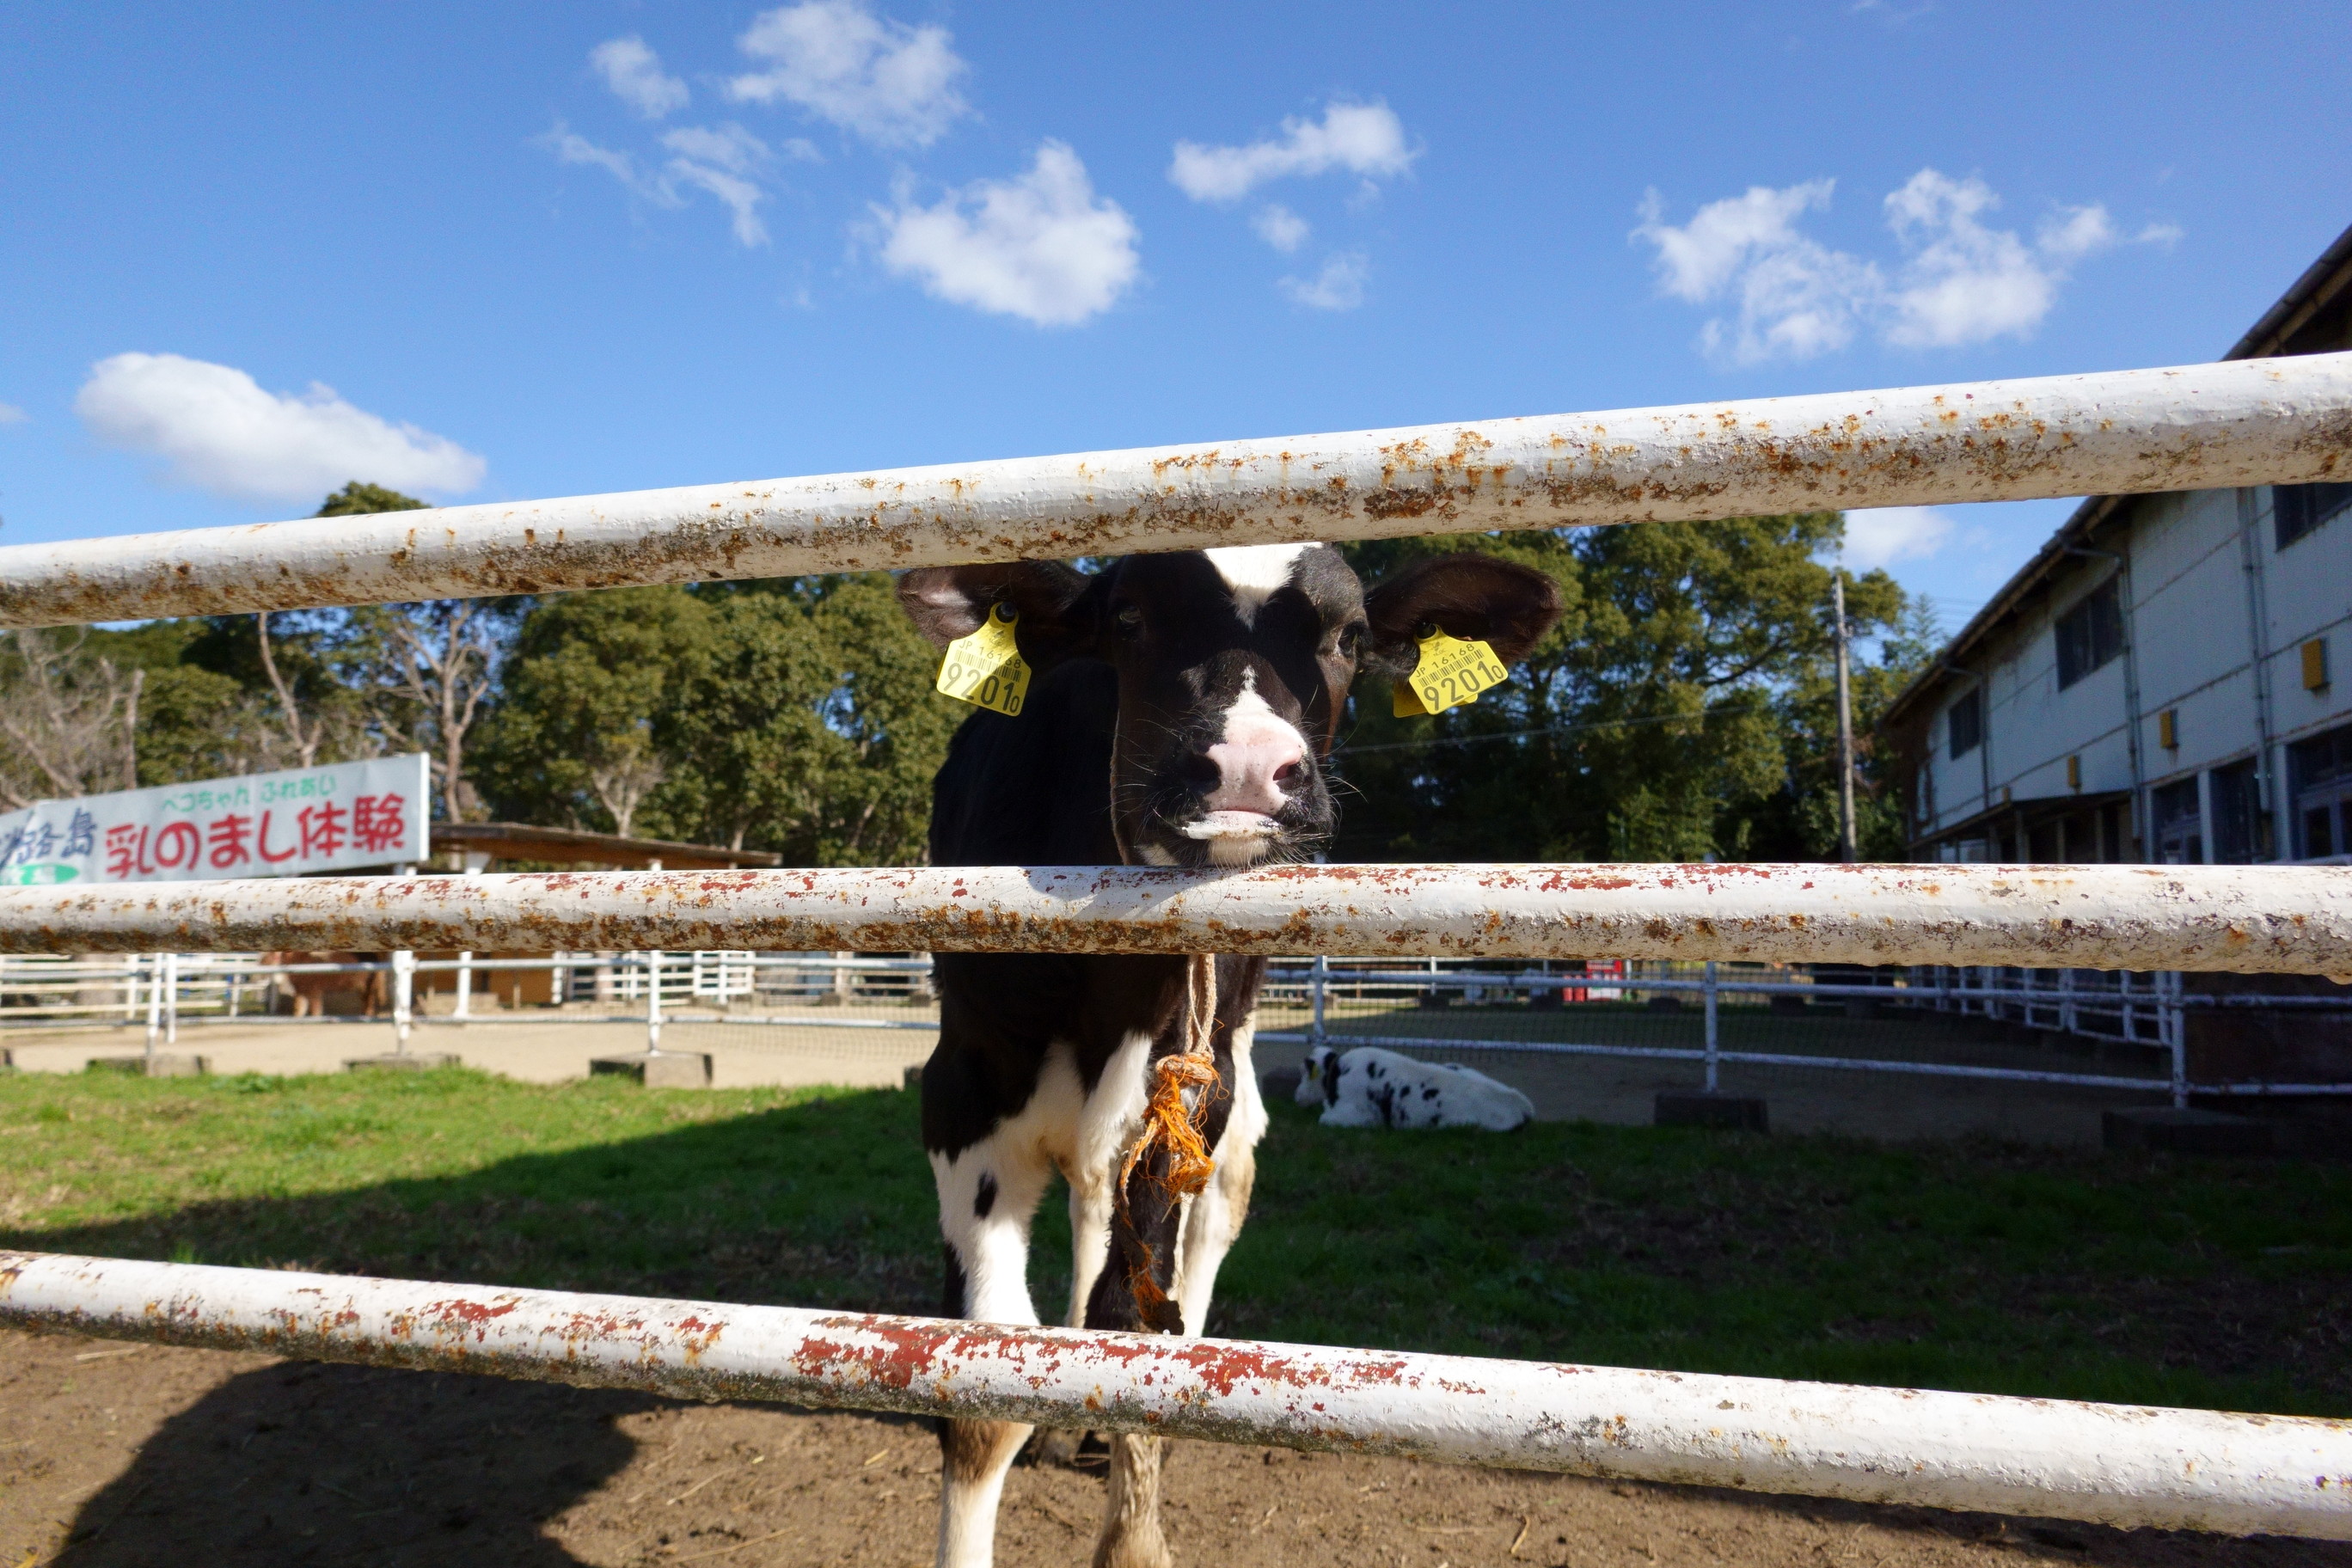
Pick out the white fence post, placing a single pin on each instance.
(653, 1003)
(403, 997)
(1318, 984)
(2172, 1025)
(171, 998)
(1714, 1044)
(154, 1000)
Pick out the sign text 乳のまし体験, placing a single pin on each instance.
(339, 817)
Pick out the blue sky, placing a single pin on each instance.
(490, 251)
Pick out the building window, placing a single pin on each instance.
(2320, 771)
(2091, 633)
(2179, 823)
(2296, 509)
(1965, 719)
(2242, 833)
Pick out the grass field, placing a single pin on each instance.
(1973, 1267)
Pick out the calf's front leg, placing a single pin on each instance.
(987, 1195)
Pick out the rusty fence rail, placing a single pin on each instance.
(2121, 1466)
(2201, 426)
(2254, 920)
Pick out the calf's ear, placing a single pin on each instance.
(1475, 597)
(1054, 600)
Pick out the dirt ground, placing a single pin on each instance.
(121, 1455)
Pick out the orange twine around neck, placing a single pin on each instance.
(1169, 1123)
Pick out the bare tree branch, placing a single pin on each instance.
(66, 718)
(305, 743)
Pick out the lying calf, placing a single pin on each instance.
(1373, 1088)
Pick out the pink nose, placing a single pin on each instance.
(1254, 762)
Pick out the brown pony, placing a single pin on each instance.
(310, 991)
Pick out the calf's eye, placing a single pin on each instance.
(1351, 639)
(1129, 620)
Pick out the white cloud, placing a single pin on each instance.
(723, 162)
(1796, 298)
(1339, 286)
(720, 162)
(221, 432)
(1366, 138)
(1699, 258)
(1280, 227)
(1879, 536)
(572, 148)
(12, 414)
(1965, 283)
(1961, 282)
(731, 147)
(890, 83)
(741, 196)
(1040, 247)
(634, 73)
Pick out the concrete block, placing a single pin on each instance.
(671, 1070)
(163, 1064)
(1694, 1108)
(2186, 1131)
(394, 1061)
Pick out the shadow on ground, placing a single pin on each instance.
(308, 1463)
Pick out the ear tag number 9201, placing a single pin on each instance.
(1450, 673)
(985, 669)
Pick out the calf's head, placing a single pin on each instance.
(1233, 669)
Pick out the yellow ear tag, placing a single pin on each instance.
(1450, 673)
(985, 669)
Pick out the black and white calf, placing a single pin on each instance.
(1179, 714)
(1372, 1088)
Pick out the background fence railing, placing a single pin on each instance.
(1812, 1017)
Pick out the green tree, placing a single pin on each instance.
(1650, 725)
(592, 685)
(796, 716)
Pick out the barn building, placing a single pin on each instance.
(2168, 679)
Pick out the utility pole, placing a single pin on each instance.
(1846, 850)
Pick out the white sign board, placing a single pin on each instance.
(338, 817)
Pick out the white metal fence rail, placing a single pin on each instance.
(2274, 919)
(2188, 427)
(2122, 1466)
(2248, 422)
